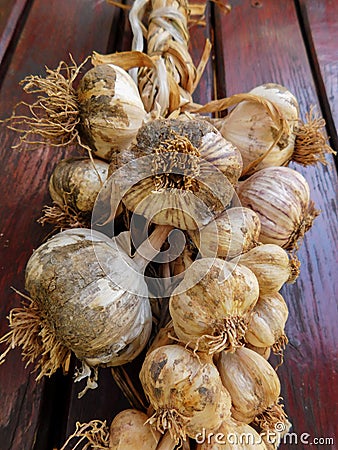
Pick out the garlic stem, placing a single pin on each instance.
(152, 246)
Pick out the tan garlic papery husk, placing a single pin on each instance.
(87, 296)
(210, 308)
(185, 391)
(263, 351)
(267, 322)
(231, 435)
(252, 383)
(129, 431)
(281, 198)
(76, 182)
(272, 266)
(252, 130)
(180, 172)
(111, 109)
(237, 230)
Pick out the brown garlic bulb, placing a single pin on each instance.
(234, 231)
(180, 173)
(281, 198)
(272, 266)
(185, 391)
(210, 308)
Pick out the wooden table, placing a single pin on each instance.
(294, 43)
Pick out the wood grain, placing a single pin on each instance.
(52, 30)
(263, 44)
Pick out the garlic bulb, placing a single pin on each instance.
(76, 182)
(210, 307)
(234, 231)
(88, 296)
(185, 391)
(111, 109)
(251, 381)
(250, 128)
(129, 431)
(281, 198)
(263, 351)
(180, 173)
(231, 435)
(267, 322)
(272, 267)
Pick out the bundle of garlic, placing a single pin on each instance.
(103, 114)
(87, 296)
(250, 128)
(74, 186)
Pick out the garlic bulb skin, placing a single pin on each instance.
(250, 128)
(78, 279)
(76, 182)
(185, 391)
(232, 435)
(111, 109)
(251, 381)
(129, 431)
(237, 231)
(281, 198)
(211, 306)
(272, 267)
(180, 172)
(267, 321)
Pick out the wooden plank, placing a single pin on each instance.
(261, 42)
(52, 30)
(10, 14)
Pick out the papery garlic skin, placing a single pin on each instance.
(281, 198)
(111, 109)
(211, 306)
(129, 431)
(234, 231)
(267, 321)
(180, 172)
(271, 265)
(185, 391)
(232, 435)
(251, 381)
(250, 128)
(75, 278)
(76, 182)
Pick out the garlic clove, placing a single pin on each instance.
(111, 109)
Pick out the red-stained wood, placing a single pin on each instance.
(261, 42)
(52, 30)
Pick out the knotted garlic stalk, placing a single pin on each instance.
(102, 115)
(185, 391)
(250, 128)
(254, 387)
(180, 172)
(210, 308)
(271, 265)
(235, 231)
(74, 186)
(231, 435)
(267, 322)
(281, 198)
(88, 296)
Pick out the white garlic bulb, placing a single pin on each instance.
(281, 198)
(250, 128)
(185, 391)
(76, 182)
(180, 172)
(267, 322)
(251, 381)
(272, 266)
(235, 231)
(211, 306)
(111, 109)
